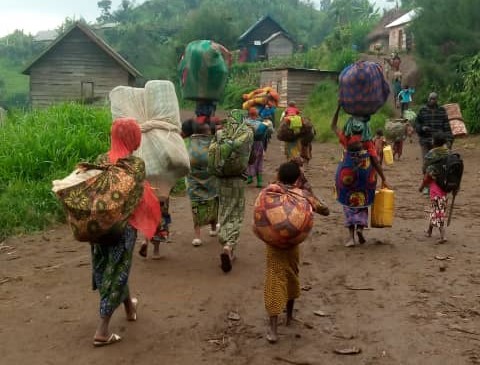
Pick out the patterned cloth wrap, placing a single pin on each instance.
(102, 204)
(283, 216)
(355, 180)
(203, 70)
(229, 152)
(362, 88)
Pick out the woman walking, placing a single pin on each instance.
(112, 257)
(356, 178)
(201, 186)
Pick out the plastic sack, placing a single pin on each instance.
(395, 130)
(362, 88)
(155, 107)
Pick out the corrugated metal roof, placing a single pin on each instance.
(406, 18)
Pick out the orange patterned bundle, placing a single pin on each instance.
(283, 217)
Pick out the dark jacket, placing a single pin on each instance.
(432, 120)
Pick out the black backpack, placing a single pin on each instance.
(450, 171)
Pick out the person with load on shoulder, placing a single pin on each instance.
(262, 129)
(438, 197)
(112, 260)
(282, 285)
(356, 180)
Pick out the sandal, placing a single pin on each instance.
(114, 338)
(214, 233)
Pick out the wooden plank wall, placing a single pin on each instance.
(302, 82)
(76, 59)
(281, 46)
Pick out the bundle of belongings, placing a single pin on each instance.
(99, 198)
(396, 129)
(455, 118)
(259, 98)
(155, 108)
(362, 88)
(283, 216)
(203, 70)
(293, 126)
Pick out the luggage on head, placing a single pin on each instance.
(203, 70)
(362, 88)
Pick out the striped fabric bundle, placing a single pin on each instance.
(363, 89)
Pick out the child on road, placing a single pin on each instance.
(438, 197)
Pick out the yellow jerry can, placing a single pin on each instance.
(388, 155)
(382, 208)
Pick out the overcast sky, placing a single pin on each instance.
(35, 15)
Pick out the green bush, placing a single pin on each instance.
(38, 147)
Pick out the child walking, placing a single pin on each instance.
(438, 197)
(380, 142)
(282, 284)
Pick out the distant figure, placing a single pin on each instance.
(405, 98)
(380, 142)
(396, 87)
(394, 62)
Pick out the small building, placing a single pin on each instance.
(77, 66)
(264, 40)
(400, 38)
(378, 38)
(294, 83)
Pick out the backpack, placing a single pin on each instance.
(450, 171)
(229, 151)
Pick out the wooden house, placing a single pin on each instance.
(77, 66)
(294, 83)
(400, 38)
(264, 40)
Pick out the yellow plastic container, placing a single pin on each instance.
(382, 208)
(388, 155)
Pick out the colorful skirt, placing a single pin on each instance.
(111, 265)
(438, 212)
(256, 167)
(355, 180)
(355, 216)
(205, 212)
(281, 278)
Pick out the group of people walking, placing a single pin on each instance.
(219, 202)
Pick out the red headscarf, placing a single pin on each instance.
(125, 138)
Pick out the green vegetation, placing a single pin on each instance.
(322, 104)
(41, 146)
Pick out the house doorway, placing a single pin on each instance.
(87, 91)
(400, 39)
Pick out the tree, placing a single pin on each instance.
(105, 7)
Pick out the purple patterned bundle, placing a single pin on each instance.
(363, 89)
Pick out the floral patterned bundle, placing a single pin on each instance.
(101, 205)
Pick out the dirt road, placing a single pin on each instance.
(400, 298)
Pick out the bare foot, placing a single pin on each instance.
(350, 243)
(143, 249)
(132, 310)
(272, 337)
(441, 241)
(361, 237)
(156, 251)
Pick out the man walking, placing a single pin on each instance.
(432, 118)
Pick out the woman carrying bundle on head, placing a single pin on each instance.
(356, 179)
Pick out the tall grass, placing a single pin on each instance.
(38, 147)
(322, 104)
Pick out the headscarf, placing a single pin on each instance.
(125, 138)
(358, 126)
